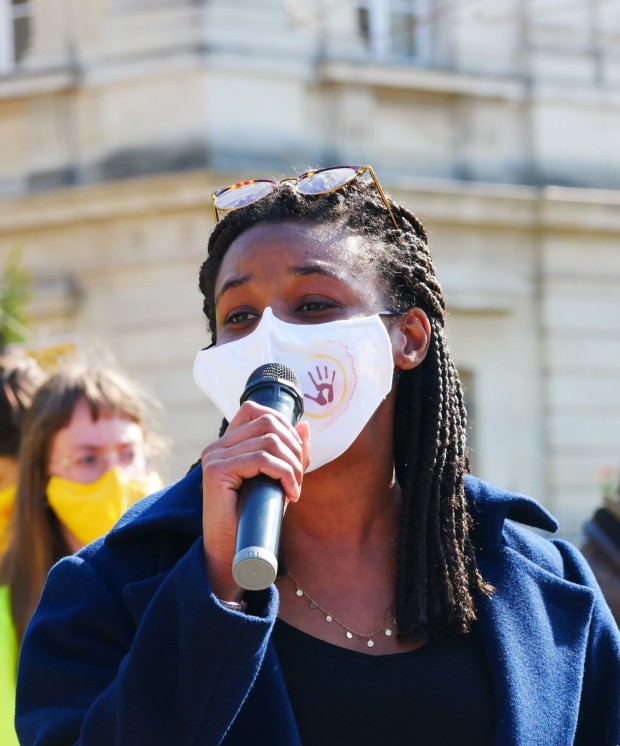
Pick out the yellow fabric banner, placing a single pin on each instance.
(7, 500)
(8, 669)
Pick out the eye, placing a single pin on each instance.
(240, 317)
(87, 460)
(128, 455)
(315, 305)
(319, 309)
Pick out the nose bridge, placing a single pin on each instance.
(113, 460)
(278, 311)
(273, 316)
(110, 458)
(269, 331)
(274, 312)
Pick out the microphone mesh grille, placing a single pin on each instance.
(274, 372)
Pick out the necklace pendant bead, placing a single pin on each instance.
(370, 643)
(349, 635)
(329, 618)
(299, 592)
(388, 632)
(313, 604)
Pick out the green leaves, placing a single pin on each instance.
(15, 292)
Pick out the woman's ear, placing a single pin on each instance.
(411, 336)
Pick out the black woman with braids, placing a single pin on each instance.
(409, 607)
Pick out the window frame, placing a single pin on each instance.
(379, 37)
(10, 13)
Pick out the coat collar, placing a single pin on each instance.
(490, 508)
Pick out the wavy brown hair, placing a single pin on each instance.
(437, 574)
(36, 541)
(19, 378)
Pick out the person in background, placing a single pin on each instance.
(410, 607)
(19, 377)
(602, 550)
(85, 458)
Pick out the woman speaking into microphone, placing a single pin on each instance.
(408, 606)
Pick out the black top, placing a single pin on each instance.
(437, 695)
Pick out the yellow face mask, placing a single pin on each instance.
(7, 501)
(90, 510)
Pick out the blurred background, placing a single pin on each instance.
(496, 121)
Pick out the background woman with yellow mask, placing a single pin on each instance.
(85, 458)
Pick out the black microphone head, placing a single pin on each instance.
(274, 373)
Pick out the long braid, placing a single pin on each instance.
(413, 570)
(442, 586)
(436, 565)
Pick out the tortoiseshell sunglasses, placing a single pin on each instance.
(317, 181)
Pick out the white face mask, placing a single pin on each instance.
(344, 368)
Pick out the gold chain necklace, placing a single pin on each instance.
(348, 631)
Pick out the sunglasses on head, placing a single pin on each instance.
(317, 181)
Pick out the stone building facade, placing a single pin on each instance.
(496, 121)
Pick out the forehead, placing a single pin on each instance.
(285, 244)
(108, 430)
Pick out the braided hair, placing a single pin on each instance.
(437, 574)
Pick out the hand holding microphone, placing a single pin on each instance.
(261, 498)
(262, 440)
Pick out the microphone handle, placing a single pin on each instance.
(261, 507)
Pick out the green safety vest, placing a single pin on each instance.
(8, 669)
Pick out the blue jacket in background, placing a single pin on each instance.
(129, 646)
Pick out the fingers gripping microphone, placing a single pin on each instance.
(261, 499)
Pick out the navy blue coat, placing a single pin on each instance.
(129, 646)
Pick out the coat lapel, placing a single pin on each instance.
(535, 633)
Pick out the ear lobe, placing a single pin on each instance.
(411, 339)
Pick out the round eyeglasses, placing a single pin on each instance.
(314, 182)
(88, 466)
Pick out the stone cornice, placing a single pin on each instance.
(439, 201)
(413, 78)
(106, 201)
(36, 83)
(552, 208)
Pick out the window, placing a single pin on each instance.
(15, 18)
(468, 381)
(396, 28)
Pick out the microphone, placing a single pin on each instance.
(261, 498)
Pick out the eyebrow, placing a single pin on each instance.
(99, 446)
(315, 269)
(301, 270)
(230, 284)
